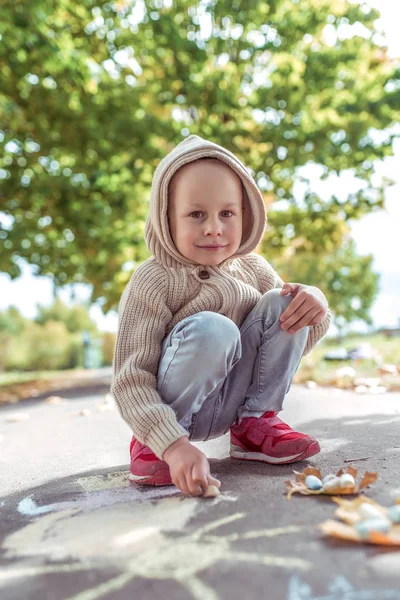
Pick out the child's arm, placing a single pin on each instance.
(268, 279)
(143, 318)
(189, 468)
(308, 307)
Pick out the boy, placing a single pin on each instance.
(209, 336)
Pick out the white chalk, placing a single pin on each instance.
(211, 492)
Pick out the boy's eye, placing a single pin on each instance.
(198, 212)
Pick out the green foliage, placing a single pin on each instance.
(108, 340)
(41, 347)
(347, 279)
(92, 96)
(75, 318)
(51, 341)
(12, 322)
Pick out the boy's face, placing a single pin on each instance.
(205, 209)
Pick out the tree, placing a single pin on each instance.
(75, 318)
(12, 324)
(45, 347)
(94, 94)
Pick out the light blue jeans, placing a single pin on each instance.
(211, 372)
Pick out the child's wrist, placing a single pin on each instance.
(183, 441)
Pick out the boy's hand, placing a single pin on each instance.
(189, 468)
(308, 307)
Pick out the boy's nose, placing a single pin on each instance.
(213, 228)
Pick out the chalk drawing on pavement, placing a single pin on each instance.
(94, 531)
(339, 589)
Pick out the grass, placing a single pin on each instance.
(24, 376)
(15, 386)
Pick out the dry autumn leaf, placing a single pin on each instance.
(331, 485)
(354, 513)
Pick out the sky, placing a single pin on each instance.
(376, 233)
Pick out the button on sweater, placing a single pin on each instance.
(168, 287)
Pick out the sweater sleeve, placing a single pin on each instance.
(269, 279)
(143, 317)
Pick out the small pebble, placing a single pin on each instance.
(328, 477)
(393, 513)
(55, 400)
(311, 384)
(347, 480)
(364, 528)
(313, 482)
(85, 412)
(367, 511)
(331, 484)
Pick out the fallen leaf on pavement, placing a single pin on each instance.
(365, 522)
(311, 482)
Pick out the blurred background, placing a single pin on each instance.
(93, 94)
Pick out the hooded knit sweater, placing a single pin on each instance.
(168, 287)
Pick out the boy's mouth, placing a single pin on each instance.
(215, 247)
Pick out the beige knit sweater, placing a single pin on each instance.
(168, 287)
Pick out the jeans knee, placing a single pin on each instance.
(275, 301)
(275, 306)
(215, 331)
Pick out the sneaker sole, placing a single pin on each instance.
(241, 454)
(157, 479)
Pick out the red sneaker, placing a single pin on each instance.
(270, 440)
(146, 467)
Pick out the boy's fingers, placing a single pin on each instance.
(186, 490)
(195, 490)
(293, 307)
(318, 318)
(295, 317)
(199, 477)
(304, 321)
(181, 484)
(312, 316)
(196, 487)
(213, 481)
(289, 288)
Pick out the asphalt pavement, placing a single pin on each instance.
(73, 527)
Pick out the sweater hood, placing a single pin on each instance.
(157, 234)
